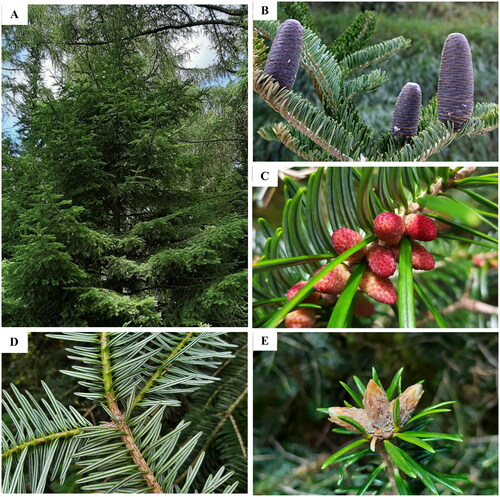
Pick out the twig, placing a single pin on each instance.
(464, 302)
(389, 465)
(286, 454)
(164, 367)
(238, 435)
(42, 440)
(215, 431)
(277, 99)
(119, 421)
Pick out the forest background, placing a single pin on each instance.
(426, 24)
(125, 175)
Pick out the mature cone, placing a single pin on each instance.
(407, 111)
(284, 56)
(456, 81)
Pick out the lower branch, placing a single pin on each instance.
(277, 99)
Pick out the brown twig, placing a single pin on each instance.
(389, 465)
(464, 302)
(238, 436)
(119, 421)
(225, 416)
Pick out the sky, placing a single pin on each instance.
(204, 55)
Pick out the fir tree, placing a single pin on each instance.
(125, 190)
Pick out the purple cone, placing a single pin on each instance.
(284, 56)
(456, 81)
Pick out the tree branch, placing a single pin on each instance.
(224, 10)
(159, 29)
(164, 367)
(464, 302)
(119, 422)
(215, 431)
(389, 466)
(214, 140)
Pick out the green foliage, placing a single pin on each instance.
(138, 441)
(300, 12)
(333, 198)
(326, 117)
(124, 192)
(220, 412)
(355, 37)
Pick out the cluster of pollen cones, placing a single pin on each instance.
(381, 257)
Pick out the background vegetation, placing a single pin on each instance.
(124, 181)
(206, 408)
(292, 440)
(426, 24)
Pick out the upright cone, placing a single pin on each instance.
(284, 56)
(407, 111)
(456, 81)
